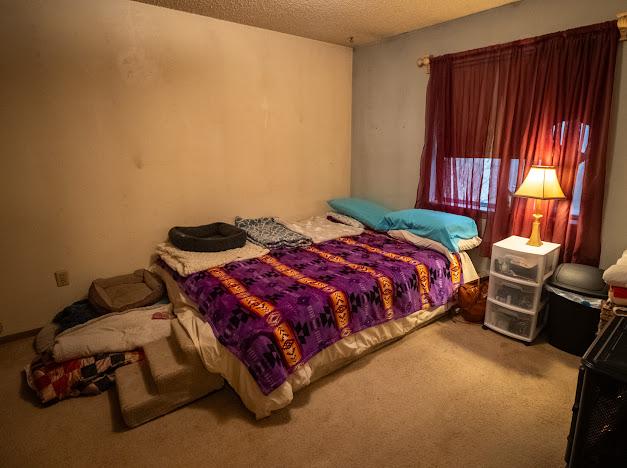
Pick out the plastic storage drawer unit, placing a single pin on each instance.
(516, 302)
(510, 293)
(514, 258)
(508, 321)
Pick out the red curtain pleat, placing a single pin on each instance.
(491, 113)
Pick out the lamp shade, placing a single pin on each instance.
(541, 183)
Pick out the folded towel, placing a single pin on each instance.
(616, 275)
(617, 297)
(619, 292)
(270, 233)
(187, 263)
(320, 229)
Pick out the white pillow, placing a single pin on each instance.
(469, 244)
(341, 218)
(425, 243)
(421, 242)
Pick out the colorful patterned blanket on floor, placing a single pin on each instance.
(276, 312)
(55, 381)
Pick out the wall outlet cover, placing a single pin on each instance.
(62, 277)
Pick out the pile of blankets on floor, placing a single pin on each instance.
(79, 351)
(616, 277)
(263, 234)
(92, 375)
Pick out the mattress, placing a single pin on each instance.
(219, 360)
(272, 325)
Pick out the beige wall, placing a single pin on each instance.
(389, 101)
(120, 120)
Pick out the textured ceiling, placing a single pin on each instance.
(346, 22)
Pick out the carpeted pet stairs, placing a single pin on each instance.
(172, 375)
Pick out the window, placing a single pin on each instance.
(584, 138)
(463, 171)
(576, 203)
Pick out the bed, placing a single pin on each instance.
(274, 324)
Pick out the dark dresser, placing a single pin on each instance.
(598, 431)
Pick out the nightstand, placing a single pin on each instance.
(516, 300)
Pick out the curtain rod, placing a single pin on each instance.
(621, 22)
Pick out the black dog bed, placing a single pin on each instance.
(214, 237)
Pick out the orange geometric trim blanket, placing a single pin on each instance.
(283, 334)
(421, 269)
(337, 298)
(386, 287)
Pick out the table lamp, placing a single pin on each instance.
(540, 184)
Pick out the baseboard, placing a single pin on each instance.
(19, 336)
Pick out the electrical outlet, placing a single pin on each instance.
(62, 277)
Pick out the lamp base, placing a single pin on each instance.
(535, 240)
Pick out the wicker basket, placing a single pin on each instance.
(472, 299)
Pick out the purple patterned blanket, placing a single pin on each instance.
(276, 312)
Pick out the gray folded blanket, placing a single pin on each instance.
(271, 234)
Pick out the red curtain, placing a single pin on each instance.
(493, 112)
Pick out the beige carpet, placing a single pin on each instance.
(451, 394)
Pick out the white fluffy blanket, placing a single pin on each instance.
(187, 263)
(616, 275)
(116, 332)
(320, 229)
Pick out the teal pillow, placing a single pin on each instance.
(445, 228)
(369, 213)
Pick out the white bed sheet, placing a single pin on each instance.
(469, 272)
